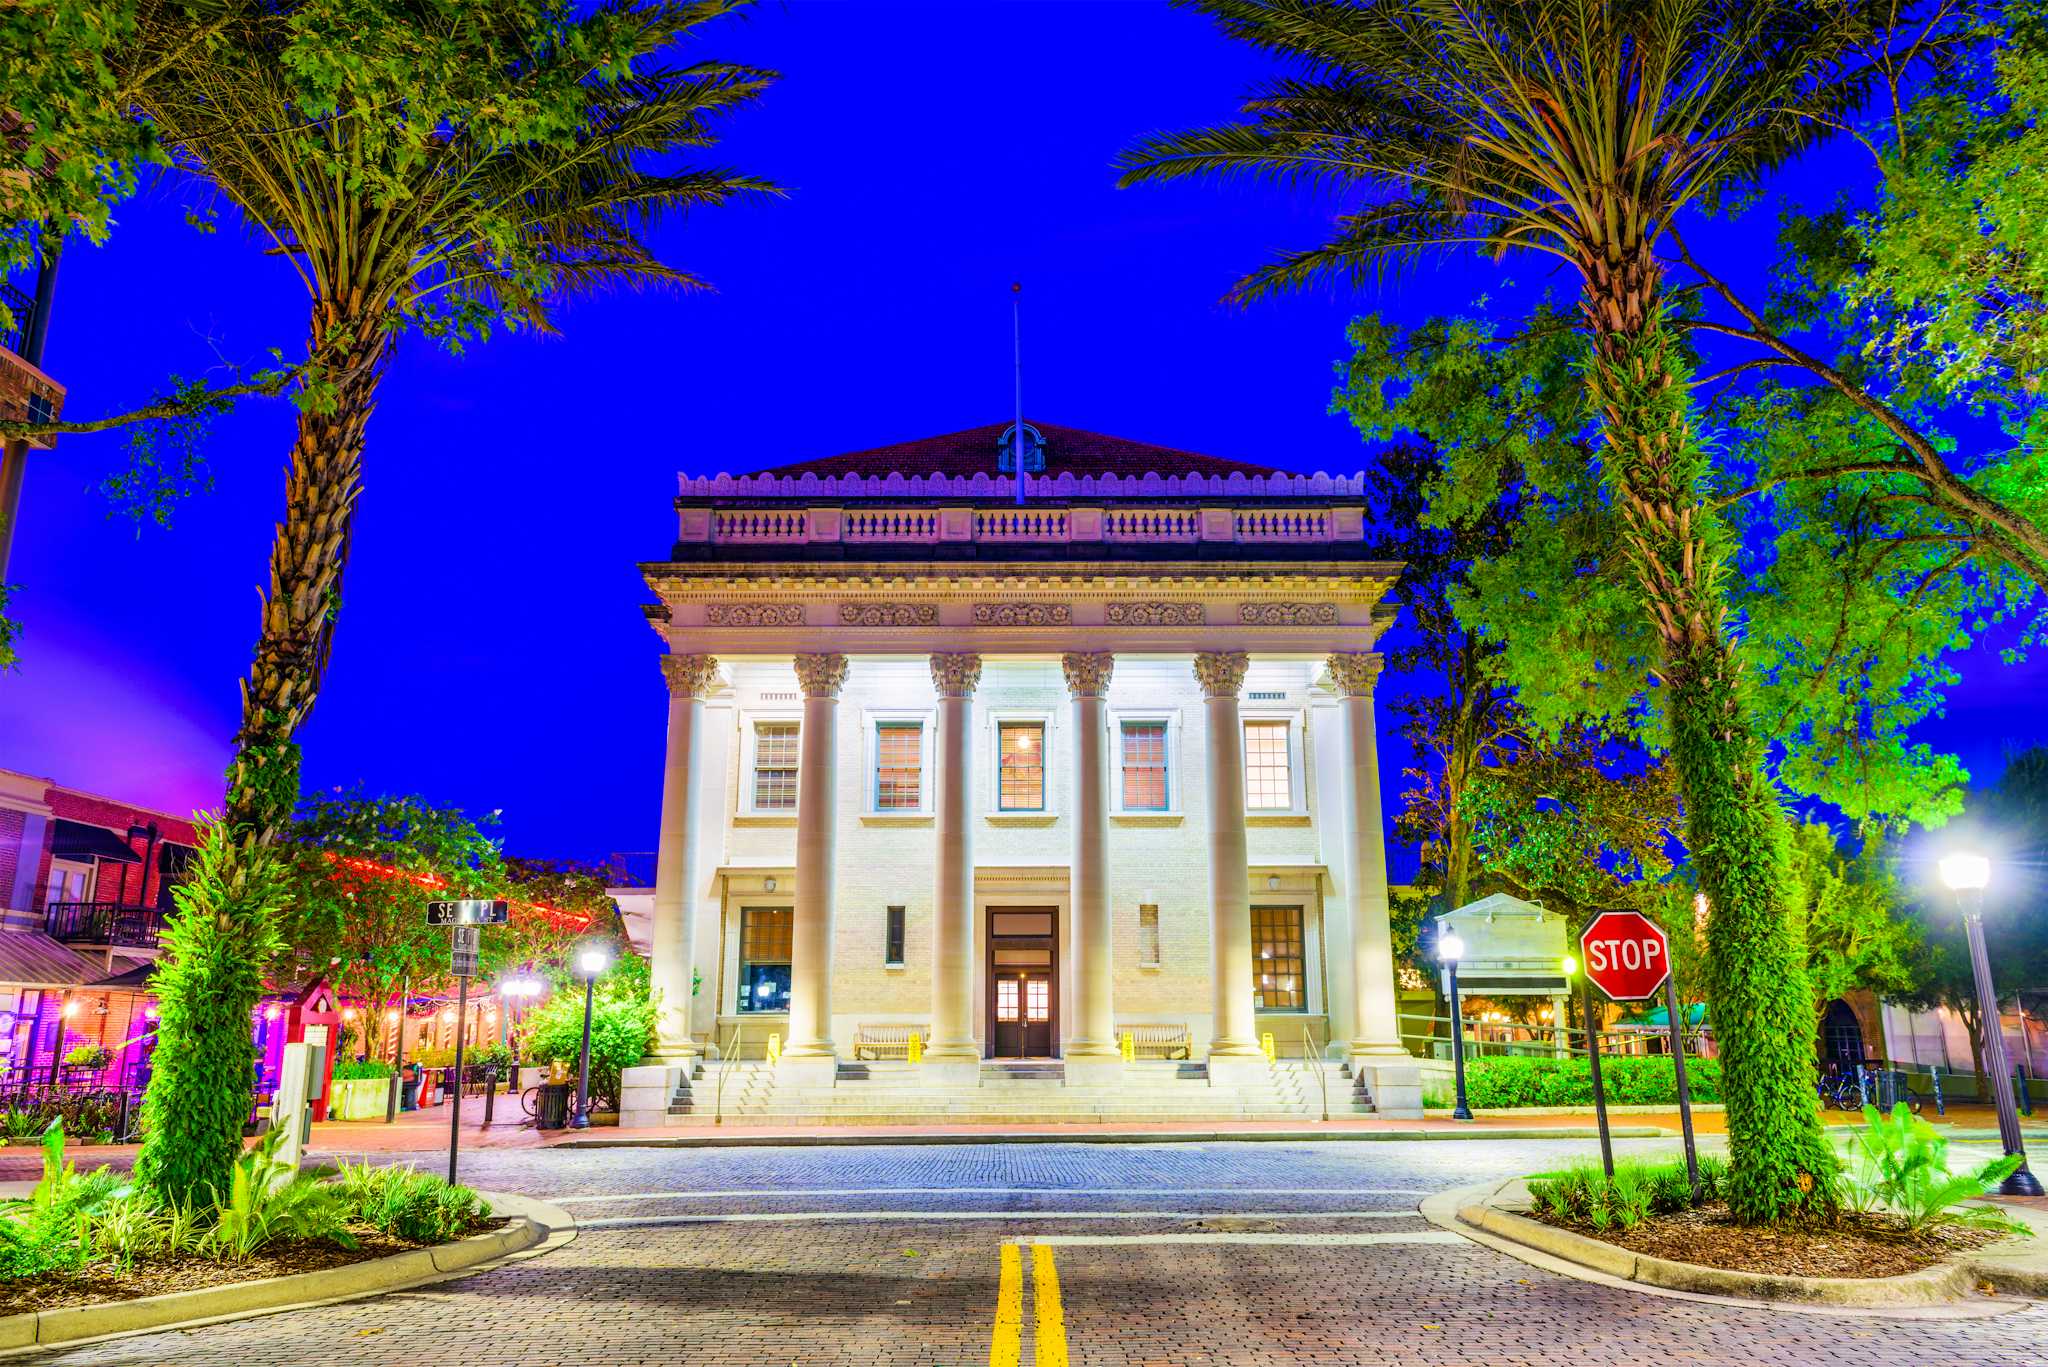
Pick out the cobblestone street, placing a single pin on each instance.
(1170, 1255)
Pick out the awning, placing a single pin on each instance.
(1660, 1018)
(76, 840)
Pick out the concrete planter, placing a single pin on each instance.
(362, 1098)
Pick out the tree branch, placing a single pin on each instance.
(269, 384)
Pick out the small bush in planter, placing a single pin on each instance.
(89, 1057)
(361, 1069)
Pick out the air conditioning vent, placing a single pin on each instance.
(782, 697)
(1265, 697)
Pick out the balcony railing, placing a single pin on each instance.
(103, 923)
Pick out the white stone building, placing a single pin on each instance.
(1083, 776)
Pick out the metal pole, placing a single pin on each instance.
(1017, 345)
(14, 454)
(398, 1053)
(1461, 1111)
(2021, 1182)
(1593, 1062)
(581, 1120)
(1692, 1160)
(455, 1111)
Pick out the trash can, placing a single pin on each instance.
(552, 1112)
(409, 1094)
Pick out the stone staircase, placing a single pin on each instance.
(1035, 1092)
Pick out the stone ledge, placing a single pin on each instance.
(2016, 1266)
(536, 1228)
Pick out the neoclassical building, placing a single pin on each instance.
(1025, 776)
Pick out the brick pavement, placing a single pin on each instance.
(922, 1292)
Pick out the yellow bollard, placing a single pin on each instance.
(774, 1048)
(916, 1047)
(1128, 1046)
(1267, 1047)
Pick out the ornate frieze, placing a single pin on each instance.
(1287, 614)
(955, 675)
(754, 614)
(821, 676)
(1356, 672)
(689, 676)
(1221, 672)
(1154, 615)
(888, 614)
(1023, 614)
(1088, 673)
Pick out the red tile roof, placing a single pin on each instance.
(1068, 450)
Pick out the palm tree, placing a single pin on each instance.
(1580, 129)
(441, 168)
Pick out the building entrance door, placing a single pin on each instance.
(1023, 989)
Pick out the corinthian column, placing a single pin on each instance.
(1374, 1030)
(1221, 674)
(1089, 975)
(677, 877)
(817, 821)
(954, 676)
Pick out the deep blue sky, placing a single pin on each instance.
(491, 651)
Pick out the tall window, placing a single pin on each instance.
(764, 958)
(899, 766)
(775, 749)
(892, 941)
(1267, 784)
(1279, 982)
(1144, 760)
(1021, 765)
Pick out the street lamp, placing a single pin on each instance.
(1449, 948)
(591, 962)
(1967, 875)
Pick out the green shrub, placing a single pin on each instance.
(268, 1200)
(359, 1069)
(406, 1203)
(40, 1235)
(91, 1057)
(621, 1034)
(206, 985)
(492, 1055)
(1507, 1083)
(1900, 1162)
(1584, 1195)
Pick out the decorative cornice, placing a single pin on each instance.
(956, 675)
(1088, 673)
(754, 614)
(689, 676)
(1154, 614)
(1287, 614)
(1023, 614)
(821, 676)
(1356, 672)
(888, 614)
(1221, 672)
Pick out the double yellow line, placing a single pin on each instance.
(1006, 1349)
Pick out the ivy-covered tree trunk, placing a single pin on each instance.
(207, 984)
(307, 557)
(1781, 1166)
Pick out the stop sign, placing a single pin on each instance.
(1627, 955)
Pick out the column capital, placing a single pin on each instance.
(1088, 672)
(1221, 672)
(1356, 672)
(821, 676)
(955, 676)
(689, 676)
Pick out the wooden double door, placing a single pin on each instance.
(1023, 983)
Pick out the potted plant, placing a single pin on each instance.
(88, 1058)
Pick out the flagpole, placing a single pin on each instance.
(1017, 346)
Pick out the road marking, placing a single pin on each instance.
(1006, 1348)
(798, 1216)
(1049, 1348)
(995, 1191)
(1043, 1242)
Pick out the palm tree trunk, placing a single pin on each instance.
(1781, 1165)
(306, 561)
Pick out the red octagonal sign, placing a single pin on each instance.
(1627, 954)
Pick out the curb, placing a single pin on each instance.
(2012, 1266)
(537, 1228)
(742, 1140)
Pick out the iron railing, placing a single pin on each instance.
(103, 923)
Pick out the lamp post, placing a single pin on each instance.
(1449, 949)
(591, 962)
(1967, 875)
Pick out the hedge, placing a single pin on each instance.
(1506, 1083)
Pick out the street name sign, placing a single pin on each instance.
(472, 911)
(1627, 955)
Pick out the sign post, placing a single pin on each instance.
(1628, 957)
(1593, 1063)
(467, 918)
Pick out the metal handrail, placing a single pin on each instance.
(727, 1057)
(1312, 1056)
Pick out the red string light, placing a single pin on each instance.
(575, 920)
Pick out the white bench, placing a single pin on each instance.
(887, 1041)
(1159, 1041)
